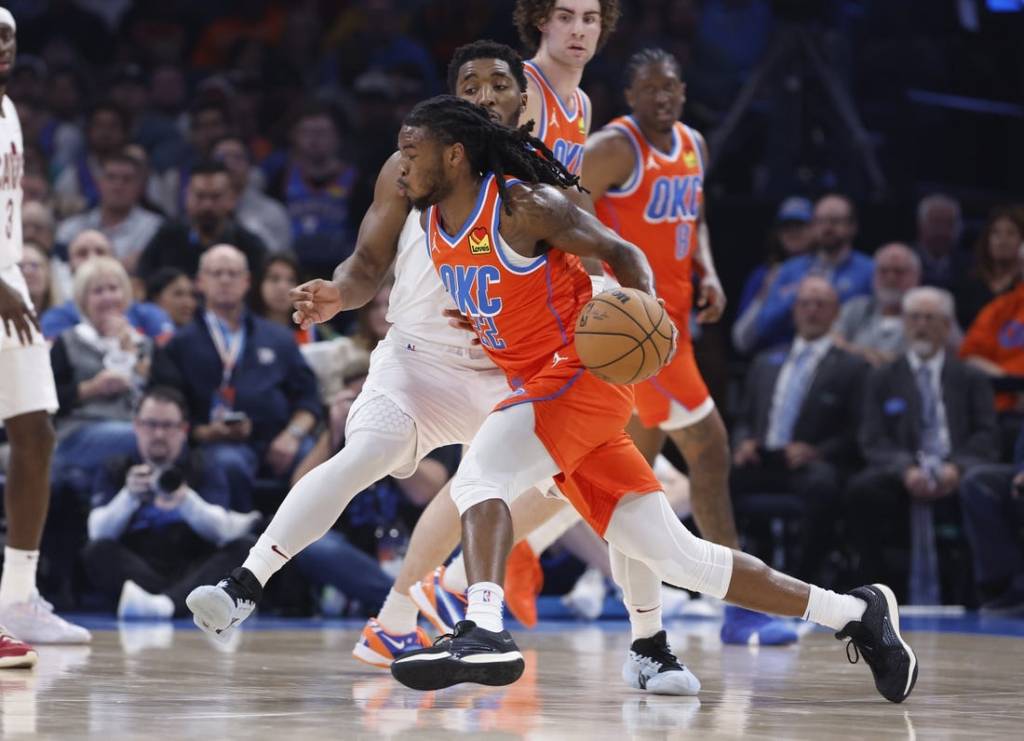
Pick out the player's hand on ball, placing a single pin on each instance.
(461, 321)
(315, 302)
(711, 300)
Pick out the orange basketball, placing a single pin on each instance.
(624, 336)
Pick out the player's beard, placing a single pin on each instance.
(436, 191)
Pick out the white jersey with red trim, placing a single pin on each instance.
(12, 164)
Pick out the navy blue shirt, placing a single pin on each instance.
(271, 380)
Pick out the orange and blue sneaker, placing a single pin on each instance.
(444, 609)
(377, 647)
(524, 578)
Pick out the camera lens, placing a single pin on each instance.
(170, 480)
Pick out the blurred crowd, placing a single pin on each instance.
(188, 163)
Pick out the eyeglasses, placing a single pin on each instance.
(159, 425)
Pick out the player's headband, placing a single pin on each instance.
(6, 17)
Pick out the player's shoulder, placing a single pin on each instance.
(533, 204)
(610, 138)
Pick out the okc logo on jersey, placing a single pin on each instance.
(568, 153)
(479, 241)
(470, 286)
(674, 198)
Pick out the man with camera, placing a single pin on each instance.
(160, 523)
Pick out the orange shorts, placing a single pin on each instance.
(581, 421)
(679, 381)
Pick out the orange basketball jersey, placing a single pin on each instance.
(562, 132)
(658, 208)
(524, 309)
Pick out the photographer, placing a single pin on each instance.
(160, 524)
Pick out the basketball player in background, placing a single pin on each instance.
(27, 395)
(506, 245)
(428, 386)
(645, 172)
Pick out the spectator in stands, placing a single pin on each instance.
(146, 318)
(928, 419)
(118, 215)
(61, 137)
(210, 205)
(271, 300)
(316, 186)
(100, 365)
(106, 133)
(159, 129)
(36, 268)
(257, 212)
(939, 226)
(849, 272)
(997, 266)
(161, 523)
(872, 326)
(208, 122)
(38, 227)
(992, 499)
(174, 292)
(252, 398)
(797, 430)
(790, 236)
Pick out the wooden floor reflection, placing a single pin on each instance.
(158, 682)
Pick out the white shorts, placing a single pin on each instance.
(447, 391)
(26, 378)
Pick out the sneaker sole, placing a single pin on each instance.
(367, 655)
(25, 661)
(438, 673)
(894, 617)
(668, 686)
(210, 610)
(427, 609)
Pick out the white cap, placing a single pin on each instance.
(7, 18)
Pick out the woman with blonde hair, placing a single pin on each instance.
(101, 366)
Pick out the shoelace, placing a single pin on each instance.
(662, 653)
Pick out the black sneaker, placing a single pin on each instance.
(470, 654)
(876, 637)
(219, 609)
(652, 666)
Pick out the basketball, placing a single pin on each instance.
(624, 336)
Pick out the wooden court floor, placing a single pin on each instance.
(158, 681)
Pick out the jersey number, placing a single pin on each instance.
(487, 331)
(683, 232)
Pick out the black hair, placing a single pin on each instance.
(651, 55)
(106, 106)
(490, 146)
(160, 279)
(123, 158)
(211, 103)
(208, 167)
(486, 49)
(256, 302)
(166, 394)
(528, 14)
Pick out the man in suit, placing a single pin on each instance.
(928, 419)
(795, 433)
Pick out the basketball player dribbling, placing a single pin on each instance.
(482, 183)
(27, 396)
(645, 172)
(428, 386)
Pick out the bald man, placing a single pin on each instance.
(797, 431)
(149, 319)
(253, 400)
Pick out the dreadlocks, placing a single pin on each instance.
(490, 146)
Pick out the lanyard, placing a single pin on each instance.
(229, 346)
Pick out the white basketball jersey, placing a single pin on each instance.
(418, 296)
(12, 161)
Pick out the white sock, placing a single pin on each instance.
(644, 622)
(454, 578)
(832, 610)
(398, 613)
(641, 593)
(556, 526)
(18, 582)
(264, 561)
(486, 600)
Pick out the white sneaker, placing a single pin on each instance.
(34, 621)
(651, 666)
(218, 609)
(138, 604)
(586, 600)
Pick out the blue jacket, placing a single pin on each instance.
(271, 380)
(852, 277)
(149, 319)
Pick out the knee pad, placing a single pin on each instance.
(383, 432)
(378, 413)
